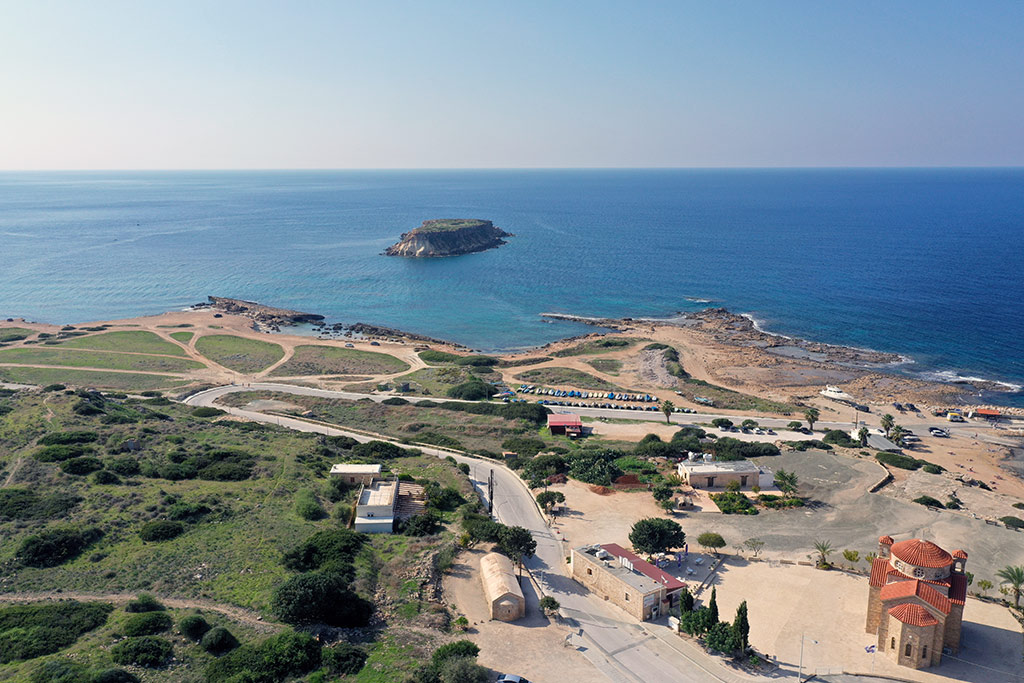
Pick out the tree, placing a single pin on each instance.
(1013, 577)
(749, 424)
(668, 505)
(517, 543)
(811, 415)
(547, 499)
(862, 435)
(733, 486)
(710, 540)
(754, 545)
(320, 598)
(787, 482)
(742, 625)
(343, 658)
(668, 407)
(655, 535)
(662, 492)
(685, 600)
(462, 670)
(722, 422)
(713, 605)
(984, 586)
(549, 605)
(870, 557)
(824, 549)
(896, 435)
(887, 423)
(851, 556)
(795, 425)
(723, 638)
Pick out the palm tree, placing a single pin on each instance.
(851, 556)
(862, 434)
(811, 415)
(824, 549)
(896, 435)
(668, 407)
(887, 422)
(1014, 576)
(787, 482)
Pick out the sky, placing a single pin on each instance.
(140, 84)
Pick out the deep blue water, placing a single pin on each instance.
(927, 263)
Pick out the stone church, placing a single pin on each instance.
(916, 601)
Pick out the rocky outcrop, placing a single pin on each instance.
(267, 316)
(448, 237)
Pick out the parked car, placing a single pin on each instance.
(511, 678)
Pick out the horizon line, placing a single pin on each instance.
(512, 168)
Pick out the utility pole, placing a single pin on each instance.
(490, 493)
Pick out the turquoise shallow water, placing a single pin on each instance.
(927, 263)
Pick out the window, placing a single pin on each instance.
(924, 652)
(918, 573)
(627, 597)
(906, 650)
(590, 572)
(892, 644)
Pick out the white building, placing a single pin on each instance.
(356, 474)
(375, 511)
(703, 474)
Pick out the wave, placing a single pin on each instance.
(953, 377)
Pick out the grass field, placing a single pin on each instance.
(239, 353)
(9, 334)
(434, 381)
(133, 341)
(734, 400)
(74, 358)
(183, 337)
(566, 377)
(609, 366)
(124, 381)
(331, 360)
(602, 345)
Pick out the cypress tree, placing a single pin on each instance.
(713, 607)
(741, 625)
(686, 600)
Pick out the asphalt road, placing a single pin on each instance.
(621, 649)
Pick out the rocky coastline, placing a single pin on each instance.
(267, 317)
(448, 237)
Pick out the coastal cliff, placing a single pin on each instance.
(448, 237)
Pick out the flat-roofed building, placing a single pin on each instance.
(505, 599)
(570, 425)
(352, 473)
(701, 474)
(375, 511)
(630, 583)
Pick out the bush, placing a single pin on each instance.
(320, 598)
(840, 438)
(459, 648)
(218, 641)
(595, 466)
(277, 658)
(193, 627)
(330, 550)
(81, 466)
(54, 387)
(438, 357)
(147, 624)
(1012, 522)
(60, 671)
(932, 469)
(477, 361)
(20, 503)
(425, 524)
(56, 546)
(61, 452)
(905, 462)
(307, 506)
(733, 503)
(160, 530)
(344, 659)
(144, 603)
(395, 401)
(105, 477)
(125, 466)
(728, 448)
(207, 411)
(187, 512)
(36, 629)
(114, 676)
(445, 499)
(378, 450)
(776, 502)
(148, 651)
(65, 438)
(523, 445)
(472, 390)
(929, 501)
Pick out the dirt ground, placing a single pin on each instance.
(530, 647)
(828, 609)
(594, 518)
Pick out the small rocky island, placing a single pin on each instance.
(448, 237)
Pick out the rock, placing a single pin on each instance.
(448, 237)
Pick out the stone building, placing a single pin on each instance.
(352, 473)
(714, 474)
(916, 601)
(505, 600)
(625, 580)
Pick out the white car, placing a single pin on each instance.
(511, 678)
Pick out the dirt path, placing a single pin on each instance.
(237, 613)
(289, 353)
(10, 476)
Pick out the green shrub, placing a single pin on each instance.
(476, 361)
(193, 627)
(903, 462)
(728, 448)
(932, 469)
(114, 676)
(307, 506)
(840, 438)
(36, 629)
(56, 546)
(471, 390)
(438, 439)
(523, 445)
(459, 648)
(144, 603)
(148, 651)
(343, 659)
(320, 598)
(207, 411)
(425, 524)
(1012, 522)
(61, 452)
(60, 671)
(775, 502)
(218, 641)
(329, 550)
(929, 501)
(1019, 506)
(277, 658)
(20, 503)
(160, 530)
(395, 401)
(595, 466)
(106, 477)
(125, 466)
(432, 357)
(66, 438)
(733, 503)
(54, 387)
(81, 466)
(147, 624)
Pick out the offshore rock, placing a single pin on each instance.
(448, 237)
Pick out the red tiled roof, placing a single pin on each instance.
(959, 555)
(879, 571)
(918, 589)
(670, 582)
(958, 589)
(921, 553)
(564, 421)
(887, 540)
(913, 615)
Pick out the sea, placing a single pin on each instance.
(927, 263)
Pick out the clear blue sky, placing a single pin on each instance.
(378, 84)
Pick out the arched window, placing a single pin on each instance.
(906, 650)
(924, 652)
(892, 644)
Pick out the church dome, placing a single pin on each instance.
(920, 553)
